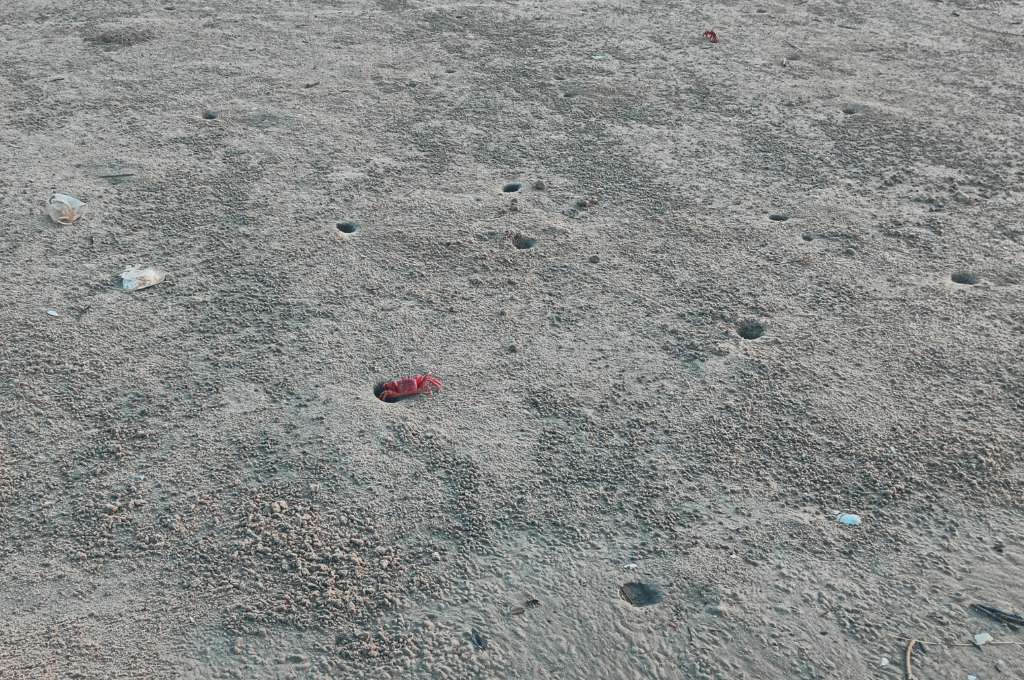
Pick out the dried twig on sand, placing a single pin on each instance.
(999, 615)
(908, 667)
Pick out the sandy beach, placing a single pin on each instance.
(690, 302)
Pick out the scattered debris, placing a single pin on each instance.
(409, 386)
(640, 594)
(1000, 615)
(137, 278)
(982, 639)
(711, 36)
(908, 659)
(532, 603)
(630, 567)
(64, 209)
(849, 519)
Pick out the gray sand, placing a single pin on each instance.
(197, 481)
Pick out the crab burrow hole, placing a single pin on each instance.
(378, 390)
(512, 187)
(964, 278)
(750, 329)
(523, 242)
(348, 227)
(640, 594)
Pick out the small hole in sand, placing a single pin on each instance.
(851, 109)
(378, 390)
(640, 594)
(523, 242)
(965, 278)
(778, 217)
(808, 237)
(751, 329)
(513, 186)
(348, 227)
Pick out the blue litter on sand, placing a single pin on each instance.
(849, 519)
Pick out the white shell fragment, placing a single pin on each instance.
(982, 639)
(137, 278)
(64, 209)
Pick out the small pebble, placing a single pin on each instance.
(594, 259)
(53, 312)
(209, 114)
(539, 185)
(1000, 665)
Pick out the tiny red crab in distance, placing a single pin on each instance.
(711, 36)
(409, 386)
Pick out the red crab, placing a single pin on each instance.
(408, 386)
(711, 36)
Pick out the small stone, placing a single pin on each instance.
(1000, 665)
(436, 556)
(539, 185)
(513, 348)
(209, 114)
(594, 259)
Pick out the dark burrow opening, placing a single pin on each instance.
(750, 329)
(965, 278)
(523, 242)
